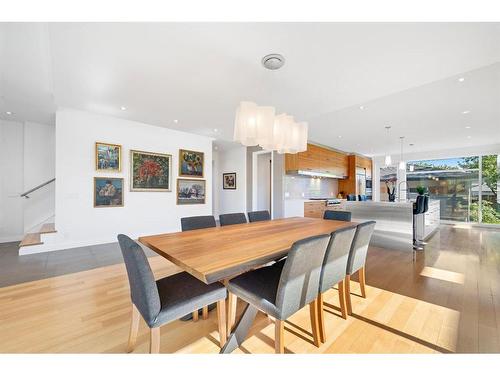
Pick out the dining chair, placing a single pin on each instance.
(258, 216)
(284, 288)
(230, 219)
(334, 271)
(165, 300)
(197, 222)
(337, 215)
(193, 223)
(357, 260)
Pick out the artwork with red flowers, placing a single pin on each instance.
(150, 171)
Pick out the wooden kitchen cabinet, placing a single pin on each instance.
(317, 159)
(314, 209)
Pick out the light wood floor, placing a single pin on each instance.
(447, 301)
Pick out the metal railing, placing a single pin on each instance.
(25, 194)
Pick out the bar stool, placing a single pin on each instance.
(418, 209)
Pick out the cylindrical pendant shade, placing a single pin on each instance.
(388, 160)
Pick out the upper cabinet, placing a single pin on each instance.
(318, 159)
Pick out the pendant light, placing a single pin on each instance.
(402, 164)
(388, 160)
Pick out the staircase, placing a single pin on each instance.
(31, 239)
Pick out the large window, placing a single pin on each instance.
(466, 187)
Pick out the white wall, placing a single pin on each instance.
(39, 167)
(427, 155)
(264, 182)
(78, 223)
(229, 161)
(11, 181)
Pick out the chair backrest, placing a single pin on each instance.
(299, 280)
(143, 289)
(419, 205)
(259, 216)
(361, 197)
(337, 254)
(230, 219)
(197, 222)
(351, 197)
(359, 248)
(337, 215)
(426, 204)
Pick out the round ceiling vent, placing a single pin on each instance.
(273, 61)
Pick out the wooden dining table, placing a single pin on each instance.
(220, 253)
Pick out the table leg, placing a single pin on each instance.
(241, 330)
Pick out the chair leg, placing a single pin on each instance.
(321, 319)
(221, 319)
(231, 311)
(313, 308)
(195, 316)
(279, 339)
(342, 299)
(154, 340)
(347, 287)
(134, 327)
(204, 313)
(362, 281)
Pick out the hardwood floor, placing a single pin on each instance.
(448, 300)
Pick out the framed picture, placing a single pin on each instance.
(229, 181)
(108, 192)
(108, 157)
(190, 191)
(150, 171)
(190, 163)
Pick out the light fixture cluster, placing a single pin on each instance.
(259, 125)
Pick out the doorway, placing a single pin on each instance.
(262, 188)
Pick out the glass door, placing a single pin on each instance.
(490, 182)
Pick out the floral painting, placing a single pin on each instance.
(108, 157)
(150, 171)
(108, 192)
(190, 163)
(190, 191)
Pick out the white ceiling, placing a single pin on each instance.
(404, 74)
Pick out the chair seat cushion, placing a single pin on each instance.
(182, 293)
(259, 287)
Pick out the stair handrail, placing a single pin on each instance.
(25, 194)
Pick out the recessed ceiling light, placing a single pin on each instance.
(362, 107)
(176, 121)
(123, 108)
(216, 130)
(461, 79)
(467, 127)
(469, 137)
(465, 112)
(340, 136)
(8, 112)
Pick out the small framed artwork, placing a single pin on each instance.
(150, 171)
(108, 157)
(108, 192)
(190, 191)
(190, 163)
(229, 181)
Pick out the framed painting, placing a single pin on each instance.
(229, 181)
(108, 192)
(108, 157)
(150, 171)
(190, 191)
(190, 163)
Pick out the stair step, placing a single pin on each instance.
(31, 239)
(48, 228)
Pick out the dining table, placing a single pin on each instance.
(220, 253)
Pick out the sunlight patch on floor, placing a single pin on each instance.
(440, 274)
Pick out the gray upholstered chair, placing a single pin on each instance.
(284, 288)
(337, 215)
(357, 260)
(193, 223)
(230, 219)
(165, 300)
(197, 222)
(334, 271)
(258, 216)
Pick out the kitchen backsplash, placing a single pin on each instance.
(299, 187)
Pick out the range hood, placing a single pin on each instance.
(319, 174)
